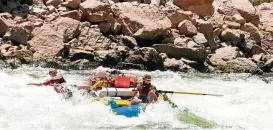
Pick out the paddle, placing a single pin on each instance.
(190, 93)
(188, 117)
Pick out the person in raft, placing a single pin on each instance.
(92, 79)
(146, 92)
(55, 80)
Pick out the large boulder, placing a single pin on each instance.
(206, 28)
(266, 11)
(197, 54)
(254, 32)
(129, 41)
(134, 59)
(18, 34)
(176, 15)
(74, 4)
(67, 27)
(247, 10)
(46, 43)
(200, 39)
(240, 65)
(148, 57)
(96, 11)
(266, 27)
(151, 59)
(107, 57)
(238, 7)
(143, 22)
(231, 59)
(256, 50)
(201, 7)
(232, 36)
(176, 65)
(15, 7)
(91, 36)
(187, 28)
(224, 54)
(76, 54)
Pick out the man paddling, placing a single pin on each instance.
(55, 80)
(146, 92)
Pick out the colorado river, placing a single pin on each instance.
(247, 102)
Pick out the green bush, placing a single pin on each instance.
(258, 2)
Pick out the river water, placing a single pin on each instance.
(247, 102)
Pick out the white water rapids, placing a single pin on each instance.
(247, 102)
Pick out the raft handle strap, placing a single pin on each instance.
(116, 92)
(106, 91)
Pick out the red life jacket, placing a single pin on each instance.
(55, 84)
(145, 89)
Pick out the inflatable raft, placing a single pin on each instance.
(124, 108)
(116, 99)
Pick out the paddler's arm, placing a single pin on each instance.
(138, 86)
(36, 84)
(83, 87)
(41, 84)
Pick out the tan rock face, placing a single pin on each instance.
(186, 27)
(173, 64)
(114, 31)
(257, 50)
(238, 7)
(96, 11)
(201, 7)
(91, 36)
(200, 39)
(19, 34)
(151, 58)
(239, 19)
(46, 43)
(232, 36)
(74, 14)
(195, 53)
(231, 59)
(242, 64)
(54, 3)
(129, 41)
(266, 28)
(247, 10)
(142, 22)
(177, 15)
(206, 28)
(254, 32)
(74, 4)
(107, 57)
(68, 28)
(225, 54)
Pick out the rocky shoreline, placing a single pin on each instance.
(177, 35)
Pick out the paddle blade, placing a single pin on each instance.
(193, 119)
